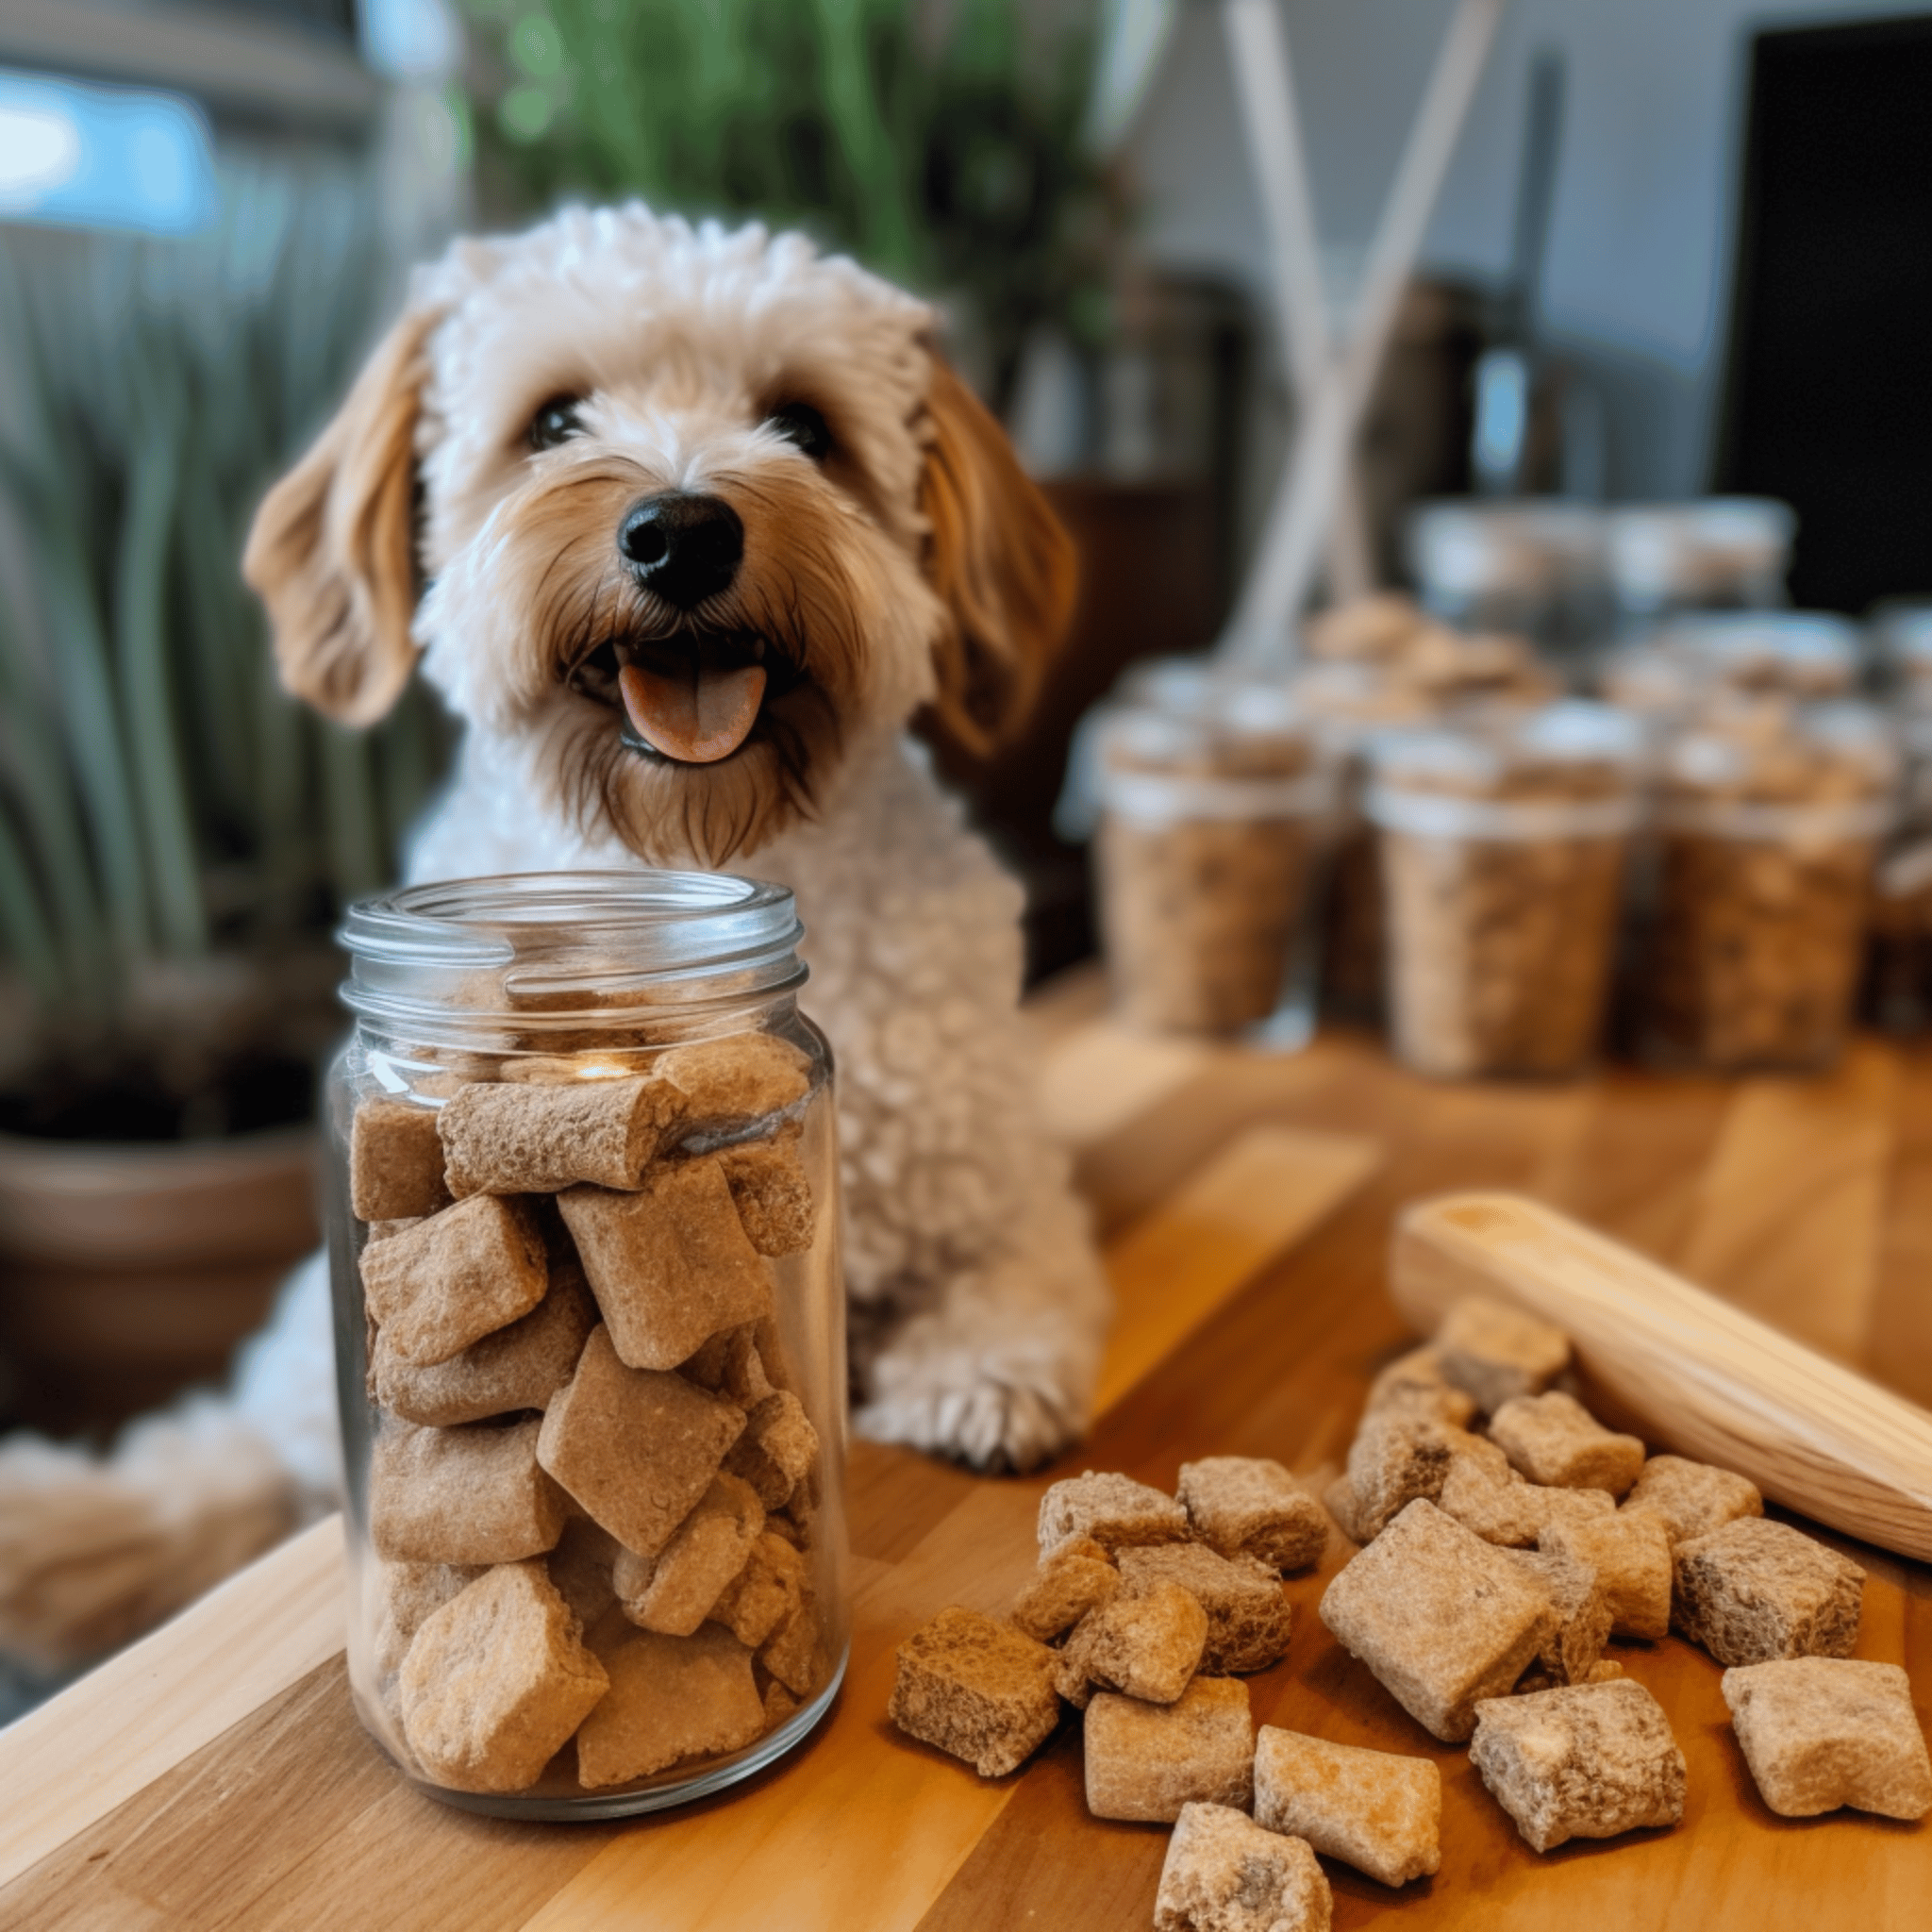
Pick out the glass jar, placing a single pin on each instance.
(1901, 633)
(1503, 844)
(1212, 830)
(1532, 567)
(1898, 964)
(1770, 818)
(583, 1226)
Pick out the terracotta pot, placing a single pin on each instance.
(129, 1272)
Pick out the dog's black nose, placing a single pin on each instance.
(684, 548)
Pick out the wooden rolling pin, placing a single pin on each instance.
(1690, 1373)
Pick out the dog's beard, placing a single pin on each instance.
(796, 613)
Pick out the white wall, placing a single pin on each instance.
(1635, 284)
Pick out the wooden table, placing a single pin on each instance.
(214, 1777)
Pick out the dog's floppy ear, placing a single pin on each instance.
(333, 549)
(1002, 563)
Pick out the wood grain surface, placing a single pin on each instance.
(1246, 1336)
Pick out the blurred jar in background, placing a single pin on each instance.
(1502, 840)
(1900, 633)
(1534, 569)
(1898, 963)
(1721, 553)
(1770, 819)
(1212, 826)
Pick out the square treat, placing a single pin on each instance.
(1377, 1811)
(1587, 1761)
(1493, 1500)
(1496, 1353)
(1114, 1510)
(1440, 1617)
(1416, 1384)
(1340, 1502)
(583, 1566)
(731, 1363)
(495, 1681)
(456, 1277)
(1582, 1614)
(976, 1688)
(773, 1198)
(1145, 1762)
(522, 1366)
(1224, 1874)
(1248, 1615)
(672, 1592)
(670, 1264)
(765, 1594)
(1631, 1555)
(1692, 1498)
(537, 1137)
(1756, 1591)
(1819, 1732)
(1555, 1440)
(778, 1450)
(470, 1495)
(722, 1086)
(395, 1161)
(405, 1594)
(1245, 1506)
(794, 1653)
(1146, 1644)
(670, 1697)
(1396, 1457)
(636, 1447)
(1071, 1581)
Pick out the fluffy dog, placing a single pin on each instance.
(685, 525)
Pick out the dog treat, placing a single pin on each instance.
(1248, 1616)
(670, 1264)
(670, 1697)
(1245, 1506)
(793, 1653)
(1339, 1499)
(636, 1447)
(778, 1450)
(1205, 854)
(673, 1592)
(1556, 1441)
(731, 1363)
(583, 1567)
(1631, 1555)
(773, 1196)
(721, 1084)
(1493, 1501)
(1440, 1617)
(1395, 1457)
(1069, 1582)
(765, 1594)
(456, 1277)
(1771, 820)
(521, 1366)
(395, 1161)
(1415, 1383)
(407, 1592)
(1583, 1612)
(1819, 1732)
(1114, 1510)
(1755, 1590)
(1224, 1874)
(535, 1138)
(1145, 1762)
(1377, 1811)
(495, 1681)
(469, 1495)
(1501, 846)
(1496, 1353)
(1692, 1498)
(1591, 1761)
(976, 1688)
(1145, 1643)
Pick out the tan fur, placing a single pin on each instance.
(332, 550)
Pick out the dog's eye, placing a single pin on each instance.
(555, 422)
(801, 424)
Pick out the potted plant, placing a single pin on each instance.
(175, 834)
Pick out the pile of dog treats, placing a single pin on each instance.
(593, 1493)
(1506, 1536)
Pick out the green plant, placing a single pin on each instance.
(165, 810)
(943, 144)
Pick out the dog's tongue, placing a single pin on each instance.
(698, 718)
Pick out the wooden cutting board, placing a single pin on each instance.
(214, 1777)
